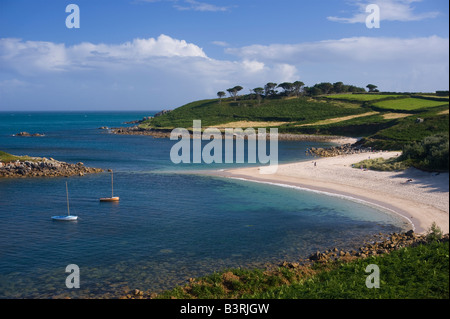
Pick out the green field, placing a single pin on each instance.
(211, 112)
(362, 97)
(324, 116)
(408, 104)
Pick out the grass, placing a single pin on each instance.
(385, 122)
(381, 164)
(408, 104)
(421, 272)
(362, 97)
(356, 126)
(7, 158)
(339, 119)
(412, 272)
(211, 112)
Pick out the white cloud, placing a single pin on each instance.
(363, 49)
(390, 10)
(151, 72)
(31, 57)
(398, 64)
(220, 43)
(164, 72)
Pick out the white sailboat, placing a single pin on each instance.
(112, 198)
(67, 217)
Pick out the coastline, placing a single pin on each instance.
(165, 133)
(421, 202)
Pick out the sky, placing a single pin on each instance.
(161, 54)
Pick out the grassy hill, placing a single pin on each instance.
(211, 112)
(385, 121)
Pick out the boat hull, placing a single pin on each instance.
(65, 218)
(109, 199)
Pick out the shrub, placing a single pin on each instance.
(431, 153)
(434, 232)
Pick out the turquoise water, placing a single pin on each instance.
(168, 226)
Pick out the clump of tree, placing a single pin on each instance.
(372, 88)
(269, 89)
(234, 91)
(259, 91)
(332, 88)
(297, 89)
(221, 94)
(432, 153)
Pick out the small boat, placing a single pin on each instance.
(67, 217)
(112, 198)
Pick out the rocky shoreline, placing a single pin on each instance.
(43, 167)
(165, 133)
(382, 244)
(345, 149)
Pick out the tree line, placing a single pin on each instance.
(297, 88)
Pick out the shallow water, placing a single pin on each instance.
(166, 228)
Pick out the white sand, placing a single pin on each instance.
(422, 201)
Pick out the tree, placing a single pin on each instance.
(258, 91)
(297, 87)
(314, 91)
(326, 87)
(234, 91)
(371, 87)
(221, 94)
(338, 87)
(287, 87)
(269, 89)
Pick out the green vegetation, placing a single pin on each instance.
(419, 272)
(408, 104)
(415, 128)
(411, 272)
(7, 158)
(362, 97)
(211, 112)
(430, 154)
(434, 233)
(381, 164)
(392, 120)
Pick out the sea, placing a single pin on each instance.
(173, 221)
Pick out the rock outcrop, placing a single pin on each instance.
(43, 167)
(346, 149)
(26, 134)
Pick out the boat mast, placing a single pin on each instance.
(112, 185)
(67, 195)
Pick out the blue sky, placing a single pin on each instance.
(157, 54)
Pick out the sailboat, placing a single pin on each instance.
(67, 217)
(112, 198)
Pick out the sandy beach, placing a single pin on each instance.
(422, 201)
